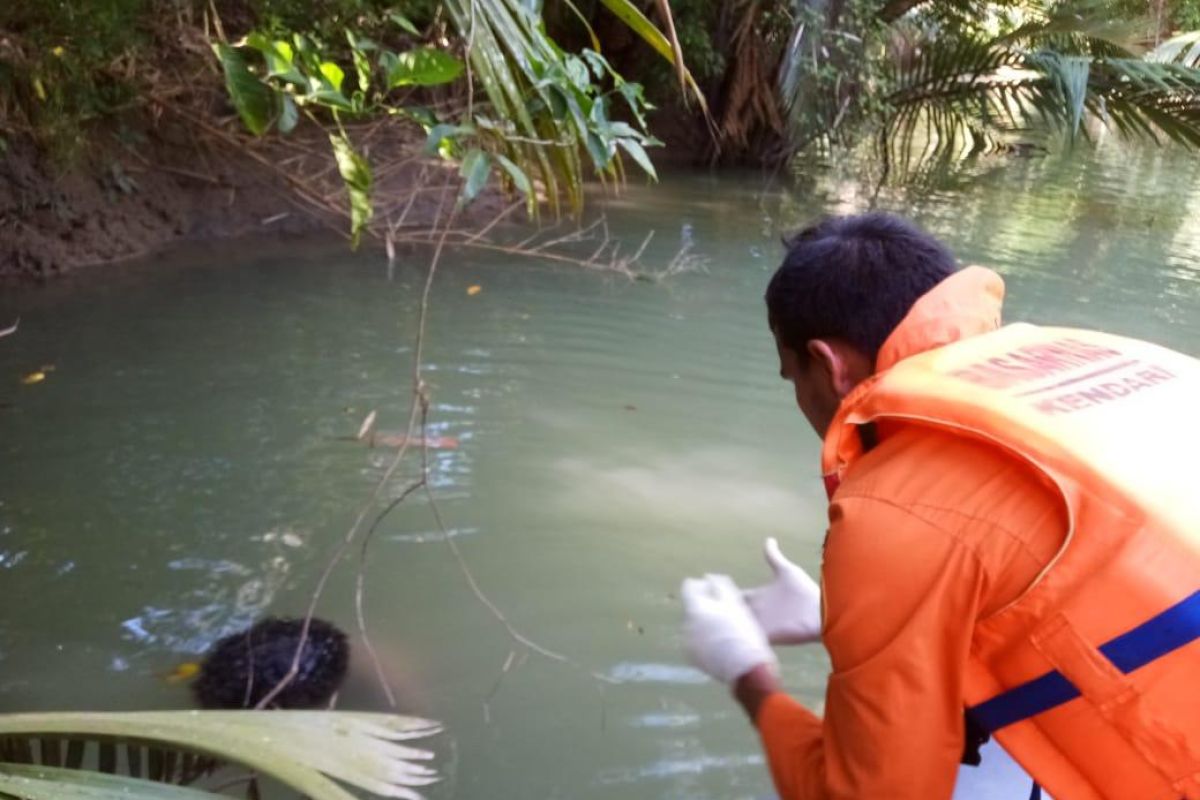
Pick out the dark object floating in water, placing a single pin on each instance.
(243, 668)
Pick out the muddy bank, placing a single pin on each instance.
(136, 192)
(125, 199)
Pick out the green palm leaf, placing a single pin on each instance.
(305, 750)
(972, 92)
(30, 782)
(1182, 49)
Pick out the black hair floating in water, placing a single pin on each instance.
(242, 668)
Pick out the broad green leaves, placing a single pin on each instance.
(539, 116)
(298, 74)
(424, 66)
(249, 95)
(476, 166)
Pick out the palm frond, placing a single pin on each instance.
(542, 108)
(29, 782)
(502, 55)
(1079, 27)
(968, 93)
(1183, 49)
(303, 749)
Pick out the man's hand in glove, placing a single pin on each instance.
(720, 634)
(789, 607)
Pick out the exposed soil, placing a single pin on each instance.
(124, 200)
(136, 193)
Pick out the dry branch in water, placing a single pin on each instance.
(589, 246)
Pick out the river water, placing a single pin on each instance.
(183, 468)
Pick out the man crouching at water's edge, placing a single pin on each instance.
(1009, 553)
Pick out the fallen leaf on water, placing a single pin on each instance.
(183, 672)
(474, 290)
(33, 377)
(367, 424)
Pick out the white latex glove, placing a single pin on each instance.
(719, 632)
(789, 607)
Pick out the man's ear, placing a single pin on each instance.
(844, 366)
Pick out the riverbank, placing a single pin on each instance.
(141, 188)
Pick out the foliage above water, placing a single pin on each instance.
(162, 753)
(484, 80)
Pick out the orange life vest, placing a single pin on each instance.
(1091, 678)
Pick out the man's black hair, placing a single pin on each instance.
(853, 278)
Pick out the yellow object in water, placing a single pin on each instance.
(33, 377)
(183, 672)
(474, 290)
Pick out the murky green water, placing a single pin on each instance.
(180, 471)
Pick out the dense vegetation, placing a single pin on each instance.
(543, 98)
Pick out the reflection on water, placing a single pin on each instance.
(227, 597)
(627, 672)
(189, 465)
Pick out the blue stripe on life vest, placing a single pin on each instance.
(1154, 638)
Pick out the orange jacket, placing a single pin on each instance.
(975, 554)
(925, 533)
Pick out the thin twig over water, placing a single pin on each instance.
(606, 257)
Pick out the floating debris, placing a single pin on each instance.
(474, 290)
(367, 426)
(385, 439)
(38, 375)
(182, 672)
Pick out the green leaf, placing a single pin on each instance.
(356, 174)
(597, 62)
(423, 66)
(443, 131)
(362, 67)
(624, 129)
(31, 782)
(279, 56)
(250, 96)
(638, 153)
(635, 98)
(1183, 49)
(302, 749)
(288, 114)
(600, 150)
(332, 74)
(637, 22)
(519, 178)
(404, 22)
(1070, 76)
(475, 170)
(577, 73)
(332, 99)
